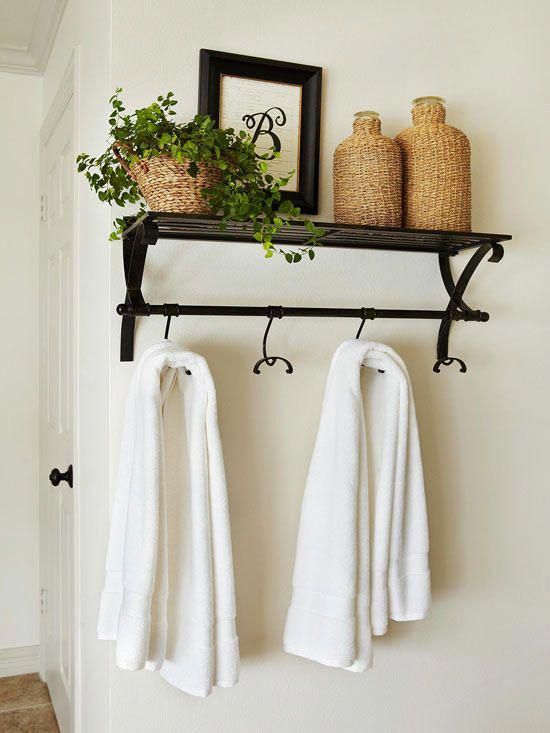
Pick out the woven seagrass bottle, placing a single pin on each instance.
(367, 176)
(436, 170)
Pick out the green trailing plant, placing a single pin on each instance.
(245, 191)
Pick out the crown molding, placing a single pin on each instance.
(33, 59)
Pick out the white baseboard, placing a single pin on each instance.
(19, 660)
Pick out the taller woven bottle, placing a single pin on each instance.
(367, 176)
(437, 191)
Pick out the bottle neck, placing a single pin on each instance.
(427, 113)
(367, 124)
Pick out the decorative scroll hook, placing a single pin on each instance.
(443, 358)
(273, 312)
(446, 362)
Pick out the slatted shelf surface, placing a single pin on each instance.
(345, 236)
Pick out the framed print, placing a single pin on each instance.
(278, 104)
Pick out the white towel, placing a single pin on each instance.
(345, 586)
(169, 599)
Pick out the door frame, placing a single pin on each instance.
(67, 91)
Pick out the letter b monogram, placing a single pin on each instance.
(263, 122)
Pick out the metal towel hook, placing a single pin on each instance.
(272, 312)
(366, 314)
(169, 311)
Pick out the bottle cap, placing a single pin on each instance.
(366, 113)
(428, 100)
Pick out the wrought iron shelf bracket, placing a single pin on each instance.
(144, 232)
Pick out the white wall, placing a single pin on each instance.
(481, 661)
(19, 214)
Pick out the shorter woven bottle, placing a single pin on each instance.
(367, 176)
(437, 190)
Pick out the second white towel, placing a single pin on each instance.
(346, 584)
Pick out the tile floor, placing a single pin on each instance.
(25, 706)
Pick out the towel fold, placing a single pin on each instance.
(169, 599)
(347, 583)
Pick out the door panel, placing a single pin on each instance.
(56, 415)
(65, 341)
(65, 587)
(52, 336)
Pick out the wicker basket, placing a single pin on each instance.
(436, 170)
(166, 185)
(367, 176)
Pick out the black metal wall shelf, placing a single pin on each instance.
(147, 230)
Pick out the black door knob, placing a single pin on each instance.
(56, 476)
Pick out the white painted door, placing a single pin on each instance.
(56, 414)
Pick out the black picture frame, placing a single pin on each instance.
(213, 64)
